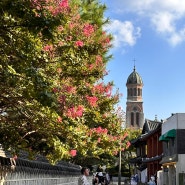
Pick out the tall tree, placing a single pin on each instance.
(52, 97)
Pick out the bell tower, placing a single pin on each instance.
(134, 104)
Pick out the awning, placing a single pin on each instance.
(168, 135)
(163, 138)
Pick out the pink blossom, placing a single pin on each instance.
(72, 153)
(74, 112)
(48, 48)
(62, 99)
(98, 88)
(91, 66)
(60, 28)
(79, 111)
(125, 135)
(92, 100)
(59, 119)
(79, 43)
(60, 43)
(100, 130)
(88, 30)
(128, 144)
(99, 140)
(70, 89)
(64, 4)
(122, 149)
(98, 60)
(55, 89)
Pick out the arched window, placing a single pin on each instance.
(130, 91)
(135, 92)
(132, 119)
(137, 118)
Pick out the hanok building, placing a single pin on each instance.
(148, 150)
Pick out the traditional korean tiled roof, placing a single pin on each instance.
(150, 159)
(149, 128)
(150, 125)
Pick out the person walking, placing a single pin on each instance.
(107, 178)
(152, 181)
(82, 180)
(136, 178)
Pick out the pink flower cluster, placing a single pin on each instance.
(72, 153)
(98, 60)
(62, 99)
(128, 144)
(88, 29)
(59, 119)
(92, 100)
(101, 88)
(64, 4)
(48, 48)
(99, 130)
(113, 138)
(74, 112)
(69, 89)
(79, 43)
(58, 7)
(125, 135)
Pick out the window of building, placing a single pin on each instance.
(132, 118)
(137, 118)
(135, 92)
(130, 91)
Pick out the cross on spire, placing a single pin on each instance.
(134, 64)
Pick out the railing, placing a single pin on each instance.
(43, 181)
(26, 172)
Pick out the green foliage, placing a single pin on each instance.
(52, 98)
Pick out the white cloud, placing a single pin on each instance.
(124, 33)
(163, 22)
(165, 16)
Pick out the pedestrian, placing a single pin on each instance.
(101, 178)
(83, 178)
(152, 181)
(107, 178)
(96, 180)
(133, 181)
(136, 178)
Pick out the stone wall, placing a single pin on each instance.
(39, 172)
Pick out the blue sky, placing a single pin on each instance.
(153, 33)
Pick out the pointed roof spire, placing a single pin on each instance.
(134, 64)
(134, 68)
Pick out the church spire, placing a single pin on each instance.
(134, 109)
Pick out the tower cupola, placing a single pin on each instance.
(134, 110)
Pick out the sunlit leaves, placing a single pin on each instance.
(52, 98)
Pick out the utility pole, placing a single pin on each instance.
(119, 173)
